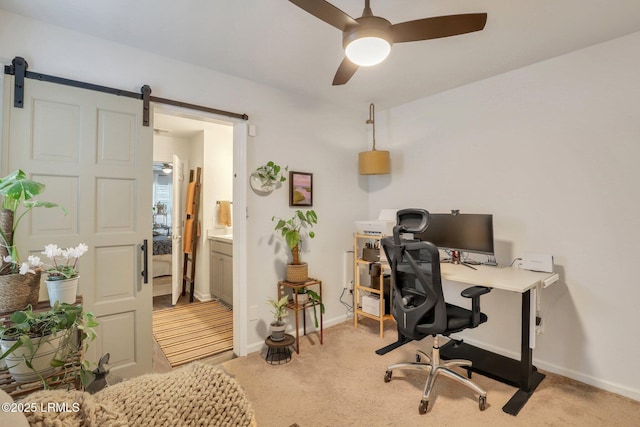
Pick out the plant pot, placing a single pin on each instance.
(262, 185)
(297, 273)
(303, 298)
(45, 351)
(64, 291)
(19, 290)
(277, 331)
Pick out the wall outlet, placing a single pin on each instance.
(539, 325)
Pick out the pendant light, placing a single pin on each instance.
(374, 162)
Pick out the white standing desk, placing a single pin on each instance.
(518, 373)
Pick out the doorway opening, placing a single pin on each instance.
(182, 144)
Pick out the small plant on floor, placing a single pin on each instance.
(279, 311)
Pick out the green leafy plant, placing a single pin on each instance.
(293, 228)
(271, 174)
(17, 191)
(315, 299)
(279, 309)
(61, 320)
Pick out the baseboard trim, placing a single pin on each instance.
(259, 346)
(569, 373)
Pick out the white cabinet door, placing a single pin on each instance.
(227, 280)
(217, 267)
(95, 158)
(222, 270)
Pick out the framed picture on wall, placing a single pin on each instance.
(300, 189)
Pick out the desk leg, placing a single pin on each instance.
(321, 322)
(529, 375)
(517, 373)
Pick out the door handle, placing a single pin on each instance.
(145, 260)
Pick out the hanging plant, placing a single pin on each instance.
(268, 177)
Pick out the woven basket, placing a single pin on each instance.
(297, 273)
(19, 290)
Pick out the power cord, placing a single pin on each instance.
(346, 304)
(519, 265)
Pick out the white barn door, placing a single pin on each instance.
(95, 158)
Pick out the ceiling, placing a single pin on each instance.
(274, 42)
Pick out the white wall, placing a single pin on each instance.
(218, 173)
(552, 151)
(164, 147)
(217, 184)
(303, 133)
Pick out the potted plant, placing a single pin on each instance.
(268, 177)
(35, 345)
(291, 230)
(62, 275)
(279, 311)
(19, 281)
(315, 299)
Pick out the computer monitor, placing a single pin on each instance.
(460, 232)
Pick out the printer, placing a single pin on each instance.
(381, 226)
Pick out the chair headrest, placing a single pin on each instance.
(413, 220)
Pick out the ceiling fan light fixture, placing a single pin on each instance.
(368, 51)
(167, 168)
(369, 42)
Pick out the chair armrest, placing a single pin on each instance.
(474, 293)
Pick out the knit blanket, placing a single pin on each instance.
(194, 395)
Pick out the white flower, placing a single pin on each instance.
(7, 258)
(34, 261)
(52, 251)
(62, 261)
(24, 269)
(80, 250)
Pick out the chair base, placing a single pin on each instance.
(435, 366)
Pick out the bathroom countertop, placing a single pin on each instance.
(221, 237)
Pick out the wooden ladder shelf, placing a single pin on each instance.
(191, 233)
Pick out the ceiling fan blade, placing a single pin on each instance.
(345, 71)
(437, 27)
(327, 12)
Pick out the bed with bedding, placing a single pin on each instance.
(161, 256)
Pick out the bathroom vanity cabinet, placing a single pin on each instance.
(221, 269)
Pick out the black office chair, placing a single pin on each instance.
(419, 306)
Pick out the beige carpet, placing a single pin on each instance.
(193, 331)
(341, 383)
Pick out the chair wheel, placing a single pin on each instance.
(482, 403)
(387, 376)
(422, 407)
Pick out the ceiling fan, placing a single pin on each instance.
(166, 168)
(367, 40)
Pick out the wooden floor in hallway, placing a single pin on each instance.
(160, 362)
